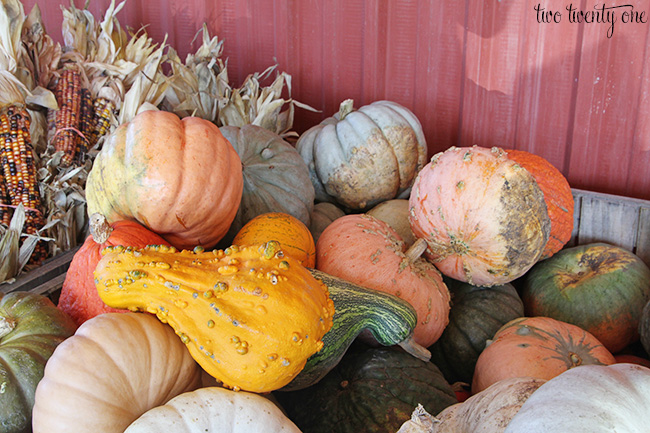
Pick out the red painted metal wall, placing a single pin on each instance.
(474, 72)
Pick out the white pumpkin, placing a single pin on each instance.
(589, 399)
(212, 410)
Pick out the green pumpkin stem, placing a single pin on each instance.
(6, 326)
(99, 227)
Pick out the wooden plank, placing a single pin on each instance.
(44, 274)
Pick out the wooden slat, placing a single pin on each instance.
(43, 275)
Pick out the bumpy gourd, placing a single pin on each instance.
(249, 316)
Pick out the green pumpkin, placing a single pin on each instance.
(476, 315)
(599, 287)
(276, 179)
(644, 327)
(370, 390)
(31, 327)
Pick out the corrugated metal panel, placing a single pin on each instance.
(474, 72)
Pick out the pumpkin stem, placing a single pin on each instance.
(415, 349)
(346, 108)
(416, 250)
(6, 326)
(100, 229)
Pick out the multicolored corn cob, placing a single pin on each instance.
(68, 116)
(19, 172)
(104, 109)
(5, 211)
(86, 125)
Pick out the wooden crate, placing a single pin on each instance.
(598, 217)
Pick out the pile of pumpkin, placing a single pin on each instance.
(236, 282)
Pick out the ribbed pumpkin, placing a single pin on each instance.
(538, 347)
(31, 328)
(395, 213)
(358, 158)
(476, 315)
(370, 390)
(294, 237)
(482, 215)
(179, 178)
(276, 179)
(79, 296)
(366, 251)
(557, 194)
(249, 316)
(644, 327)
(599, 287)
(322, 216)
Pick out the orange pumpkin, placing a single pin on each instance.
(179, 178)
(482, 215)
(538, 347)
(365, 250)
(293, 235)
(79, 297)
(557, 195)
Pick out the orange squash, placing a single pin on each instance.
(365, 250)
(179, 178)
(79, 296)
(538, 347)
(293, 235)
(557, 194)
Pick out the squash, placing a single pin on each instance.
(79, 296)
(179, 178)
(476, 315)
(366, 251)
(250, 316)
(395, 213)
(591, 398)
(294, 237)
(483, 215)
(599, 287)
(322, 216)
(538, 347)
(370, 390)
(214, 409)
(557, 195)
(359, 158)
(31, 327)
(644, 327)
(490, 410)
(276, 179)
(387, 318)
(111, 371)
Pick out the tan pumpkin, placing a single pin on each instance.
(116, 367)
(366, 251)
(395, 213)
(179, 178)
(538, 347)
(322, 216)
(215, 409)
(250, 316)
(294, 236)
(359, 158)
(483, 215)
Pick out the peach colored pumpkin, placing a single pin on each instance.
(366, 251)
(483, 215)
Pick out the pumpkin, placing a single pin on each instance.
(599, 287)
(557, 195)
(627, 358)
(395, 213)
(294, 237)
(179, 178)
(476, 315)
(538, 347)
(250, 316)
(482, 215)
(112, 370)
(370, 390)
(31, 327)
(644, 327)
(366, 251)
(322, 216)
(79, 296)
(214, 409)
(359, 158)
(591, 398)
(276, 179)
(490, 410)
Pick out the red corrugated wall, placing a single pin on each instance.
(474, 72)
